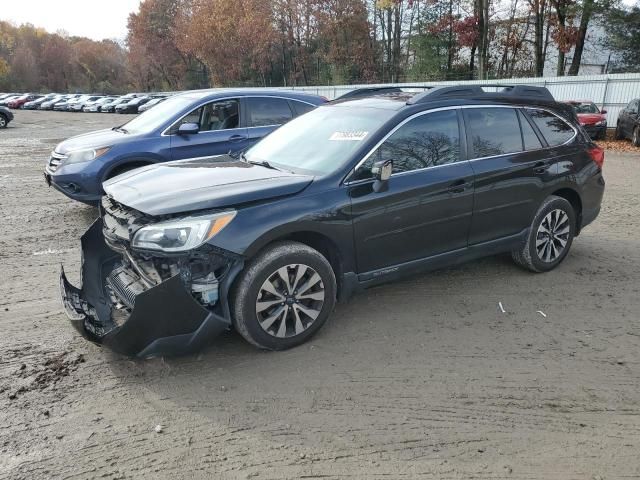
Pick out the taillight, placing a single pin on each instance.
(597, 155)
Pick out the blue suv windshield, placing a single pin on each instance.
(320, 141)
(156, 117)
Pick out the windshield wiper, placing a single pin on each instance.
(120, 129)
(262, 163)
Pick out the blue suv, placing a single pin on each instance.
(193, 124)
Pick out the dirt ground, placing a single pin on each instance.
(424, 378)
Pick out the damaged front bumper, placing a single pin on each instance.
(163, 319)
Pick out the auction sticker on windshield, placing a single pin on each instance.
(348, 136)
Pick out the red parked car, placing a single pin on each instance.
(592, 119)
(18, 102)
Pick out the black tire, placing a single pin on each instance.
(528, 256)
(618, 135)
(3, 121)
(248, 290)
(636, 136)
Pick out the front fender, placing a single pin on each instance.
(326, 213)
(120, 161)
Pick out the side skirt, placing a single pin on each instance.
(455, 257)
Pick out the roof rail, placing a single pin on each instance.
(368, 91)
(508, 91)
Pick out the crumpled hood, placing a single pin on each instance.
(201, 183)
(590, 118)
(97, 139)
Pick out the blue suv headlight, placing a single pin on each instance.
(80, 156)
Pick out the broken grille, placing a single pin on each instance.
(125, 286)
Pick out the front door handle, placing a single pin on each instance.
(237, 138)
(540, 168)
(458, 186)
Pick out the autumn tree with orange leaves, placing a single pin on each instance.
(233, 39)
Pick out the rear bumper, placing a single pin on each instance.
(592, 194)
(164, 319)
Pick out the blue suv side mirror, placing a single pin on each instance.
(188, 129)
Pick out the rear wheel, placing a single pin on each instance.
(283, 296)
(3, 121)
(550, 236)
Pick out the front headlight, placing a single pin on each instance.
(79, 156)
(183, 234)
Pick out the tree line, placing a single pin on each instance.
(181, 44)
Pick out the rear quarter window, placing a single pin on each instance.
(301, 108)
(555, 130)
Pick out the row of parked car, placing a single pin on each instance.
(78, 102)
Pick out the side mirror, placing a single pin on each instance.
(603, 111)
(381, 172)
(188, 129)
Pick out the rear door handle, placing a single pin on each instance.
(541, 168)
(458, 186)
(237, 138)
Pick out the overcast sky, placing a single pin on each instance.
(95, 19)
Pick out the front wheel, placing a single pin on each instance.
(283, 296)
(550, 236)
(3, 121)
(618, 135)
(636, 137)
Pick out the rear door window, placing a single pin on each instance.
(529, 136)
(493, 131)
(266, 111)
(555, 130)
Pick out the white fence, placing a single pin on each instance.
(611, 92)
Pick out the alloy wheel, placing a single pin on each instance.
(290, 300)
(3, 122)
(553, 235)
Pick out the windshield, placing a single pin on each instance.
(585, 108)
(320, 141)
(156, 117)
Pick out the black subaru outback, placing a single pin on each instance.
(354, 193)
